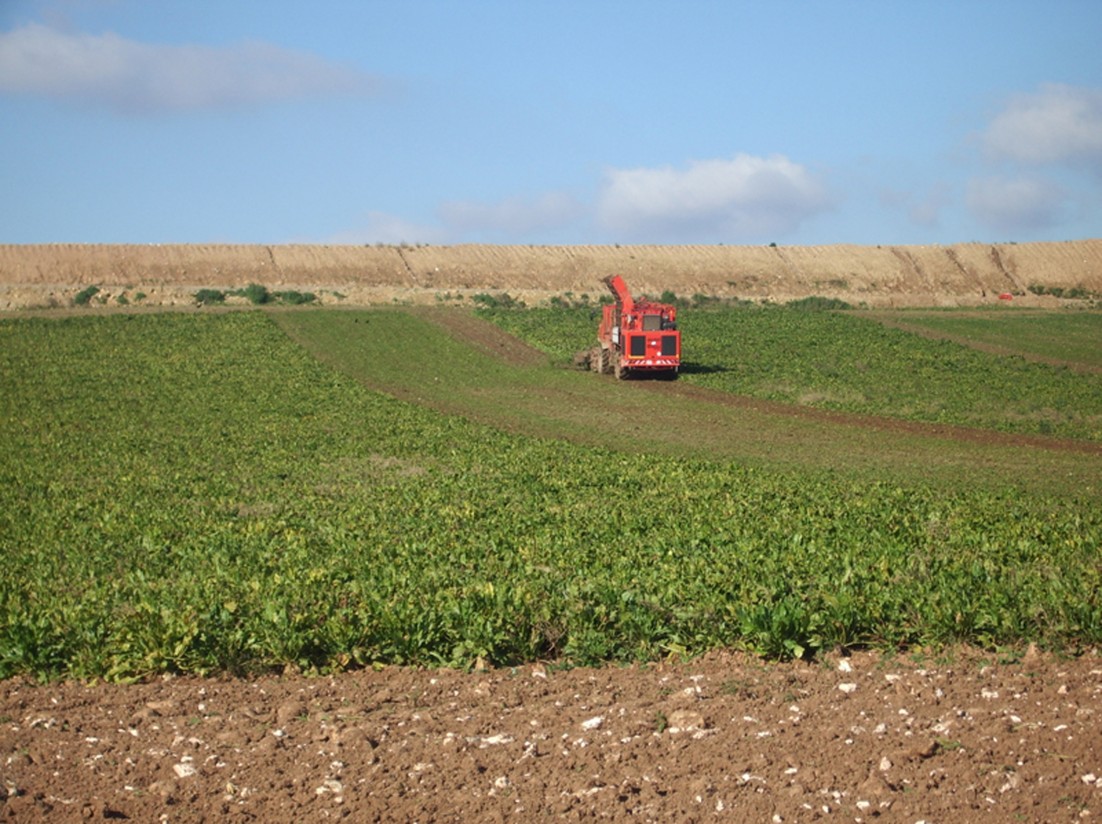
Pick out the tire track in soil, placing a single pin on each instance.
(972, 276)
(1000, 267)
(492, 340)
(963, 434)
(482, 335)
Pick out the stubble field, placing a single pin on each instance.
(966, 274)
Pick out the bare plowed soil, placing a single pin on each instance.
(962, 274)
(724, 738)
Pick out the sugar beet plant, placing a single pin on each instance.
(194, 493)
(850, 363)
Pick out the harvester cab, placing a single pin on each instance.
(636, 337)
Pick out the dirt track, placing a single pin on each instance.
(962, 274)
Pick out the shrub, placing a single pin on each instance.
(701, 300)
(256, 293)
(85, 295)
(819, 303)
(502, 300)
(295, 298)
(207, 297)
(1071, 292)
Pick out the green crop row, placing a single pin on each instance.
(195, 493)
(848, 362)
(1070, 337)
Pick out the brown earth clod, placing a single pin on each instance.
(726, 737)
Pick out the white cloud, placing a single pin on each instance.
(1016, 204)
(921, 208)
(513, 217)
(515, 220)
(926, 210)
(128, 76)
(1058, 124)
(381, 227)
(743, 198)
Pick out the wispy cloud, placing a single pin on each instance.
(382, 227)
(1016, 204)
(1057, 124)
(922, 208)
(138, 78)
(1037, 137)
(512, 218)
(742, 198)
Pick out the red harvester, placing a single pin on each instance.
(636, 337)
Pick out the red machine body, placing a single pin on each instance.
(636, 336)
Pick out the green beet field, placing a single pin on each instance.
(238, 491)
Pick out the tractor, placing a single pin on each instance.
(635, 337)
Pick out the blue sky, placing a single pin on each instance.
(577, 121)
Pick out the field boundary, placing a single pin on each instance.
(967, 274)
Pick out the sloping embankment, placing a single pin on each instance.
(962, 274)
